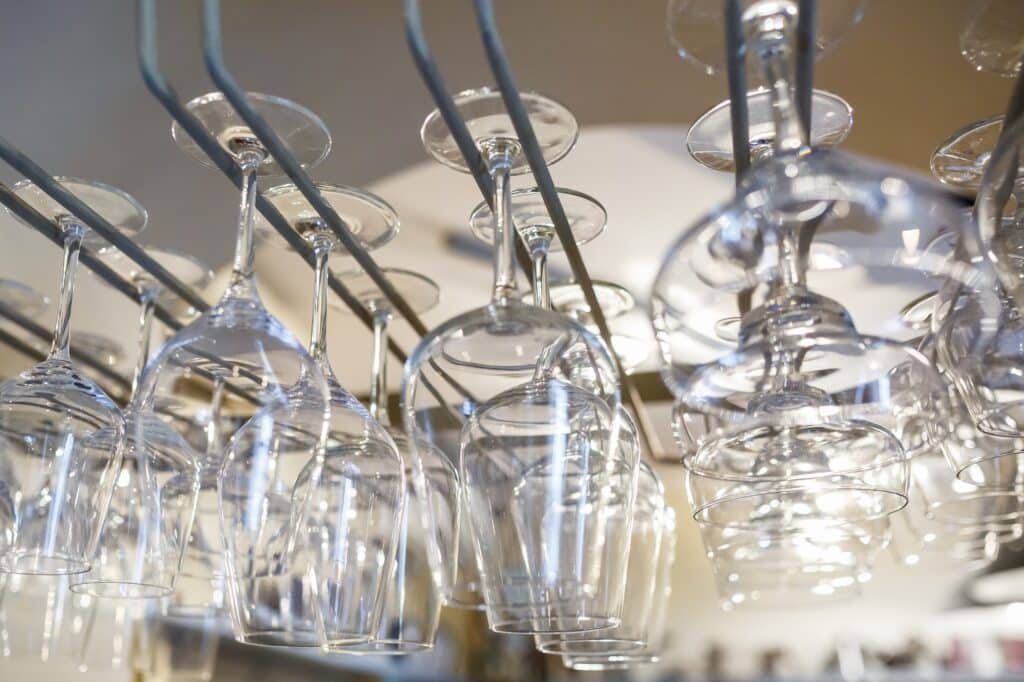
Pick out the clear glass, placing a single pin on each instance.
(616, 302)
(479, 366)
(657, 622)
(357, 510)
(110, 637)
(56, 425)
(149, 519)
(814, 413)
(697, 28)
(709, 139)
(991, 37)
(427, 559)
(951, 501)
(270, 379)
(646, 537)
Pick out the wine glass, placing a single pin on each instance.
(615, 302)
(427, 559)
(150, 515)
(271, 378)
(697, 28)
(480, 364)
(655, 625)
(816, 414)
(950, 501)
(57, 425)
(646, 538)
(991, 39)
(357, 504)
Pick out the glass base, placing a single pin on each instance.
(113, 205)
(420, 292)
(302, 131)
(485, 115)
(370, 219)
(587, 217)
(279, 638)
(710, 138)
(960, 161)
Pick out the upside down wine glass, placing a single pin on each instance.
(56, 425)
(239, 344)
(356, 510)
(150, 515)
(816, 416)
(428, 545)
(538, 460)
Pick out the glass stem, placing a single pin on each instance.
(318, 326)
(213, 427)
(499, 162)
(379, 366)
(245, 247)
(73, 233)
(147, 306)
(539, 249)
(770, 39)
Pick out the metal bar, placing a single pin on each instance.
(43, 334)
(76, 207)
(445, 103)
(805, 52)
(531, 148)
(235, 95)
(736, 69)
(48, 229)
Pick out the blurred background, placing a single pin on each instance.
(74, 100)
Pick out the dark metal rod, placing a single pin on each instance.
(78, 208)
(43, 334)
(736, 69)
(445, 103)
(805, 52)
(531, 148)
(235, 95)
(48, 229)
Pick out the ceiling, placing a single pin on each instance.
(75, 101)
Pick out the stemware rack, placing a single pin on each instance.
(164, 92)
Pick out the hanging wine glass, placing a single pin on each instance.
(656, 624)
(358, 502)
(982, 361)
(697, 28)
(238, 343)
(991, 39)
(56, 424)
(953, 502)
(427, 558)
(476, 364)
(646, 538)
(817, 415)
(150, 515)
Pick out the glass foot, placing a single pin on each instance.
(420, 292)
(587, 217)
